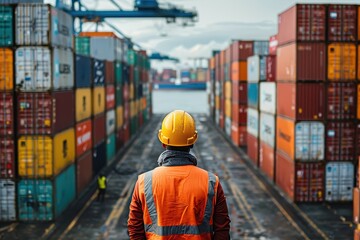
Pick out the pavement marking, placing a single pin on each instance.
(48, 230)
(9, 228)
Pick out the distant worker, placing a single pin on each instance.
(102, 184)
(178, 200)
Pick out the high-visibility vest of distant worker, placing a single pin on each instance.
(178, 200)
(102, 184)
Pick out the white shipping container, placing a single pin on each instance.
(7, 200)
(256, 68)
(253, 122)
(309, 141)
(268, 97)
(40, 69)
(106, 48)
(217, 88)
(42, 24)
(217, 117)
(110, 122)
(267, 128)
(228, 126)
(339, 181)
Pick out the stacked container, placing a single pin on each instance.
(211, 86)
(300, 76)
(45, 103)
(227, 91)
(7, 138)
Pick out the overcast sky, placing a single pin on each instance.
(219, 22)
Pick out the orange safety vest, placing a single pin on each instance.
(178, 202)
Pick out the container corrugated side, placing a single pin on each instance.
(239, 92)
(105, 48)
(339, 181)
(238, 134)
(6, 68)
(341, 62)
(268, 97)
(83, 172)
(253, 122)
(342, 22)
(7, 200)
(99, 101)
(110, 148)
(341, 101)
(83, 72)
(7, 160)
(83, 137)
(253, 148)
(99, 129)
(110, 97)
(82, 45)
(110, 122)
(6, 27)
(83, 103)
(271, 68)
(267, 129)
(119, 117)
(340, 140)
(98, 68)
(261, 47)
(6, 114)
(239, 71)
(267, 160)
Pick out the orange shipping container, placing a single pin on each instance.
(285, 132)
(342, 62)
(228, 90)
(356, 205)
(83, 137)
(6, 69)
(239, 71)
(212, 63)
(358, 102)
(359, 23)
(97, 34)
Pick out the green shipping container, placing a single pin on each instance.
(6, 26)
(118, 73)
(137, 75)
(82, 46)
(119, 95)
(133, 125)
(132, 57)
(110, 148)
(45, 200)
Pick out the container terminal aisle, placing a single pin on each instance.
(257, 211)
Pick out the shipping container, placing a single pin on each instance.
(261, 47)
(110, 148)
(228, 126)
(302, 182)
(268, 97)
(41, 24)
(83, 103)
(45, 112)
(41, 69)
(119, 117)
(228, 90)
(238, 134)
(339, 181)
(45, 156)
(267, 129)
(253, 148)
(110, 97)
(241, 50)
(253, 95)
(109, 72)
(98, 68)
(82, 46)
(341, 62)
(119, 95)
(342, 22)
(267, 160)
(301, 61)
(6, 114)
(83, 137)
(110, 122)
(83, 76)
(356, 205)
(302, 22)
(271, 68)
(253, 122)
(273, 44)
(239, 92)
(99, 101)
(239, 113)
(106, 48)
(256, 68)
(6, 27)
(303, 141)
(340, 141)
(7, 160)
(341, 101)
(228, 108)
(6, 67)
(45, 200)
(83, 172)
(118, 68)
(120, 138)
(99, 158)
(99, 129)
(7, 200)
(301, 101)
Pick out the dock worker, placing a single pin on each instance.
(102, 184)
(178, 200)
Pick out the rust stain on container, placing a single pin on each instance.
(342, 62)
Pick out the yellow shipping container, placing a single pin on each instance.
(132, 109)
(131, 91)
(119, 117)
(342, 62)
(83, 104)
(228, 90)
(6, 69)
(45, 156)
(98, 100)
(217, 102)
(228, 108)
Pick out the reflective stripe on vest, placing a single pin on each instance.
(205, 226)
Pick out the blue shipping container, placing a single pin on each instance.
(261, 47)
(98, 72)
(99, 157)
(44, 200)
(253, 95)
(110, 148)
(82, 71)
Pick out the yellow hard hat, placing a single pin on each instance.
(178, 129)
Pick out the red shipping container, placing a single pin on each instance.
(109, 72)
(83, 172)
(6, 114)
(341, 101)
(238, 134)
(110, 97)
(126, 131)
(120, 138)
(271, 68)
(267, 160)
(239, 113)
(273, 43)
(222, 121)
(302, 182)
(241, 50)
(166, 75)
(83, 137)
(126, 93)
(340, 141)
(7, 157)
(239, 92)
(301, 101)
(98, 127)
(45, 112)
(302, 22)
(301, 61)
(126, 111)
(253, 148)
(342, 23)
